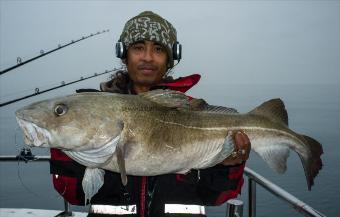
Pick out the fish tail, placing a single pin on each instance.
(312, 164)
(310, 153)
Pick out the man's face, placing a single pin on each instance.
(146, 63)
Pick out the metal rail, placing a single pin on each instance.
(253, 179)
(18, 158)
(27, 156)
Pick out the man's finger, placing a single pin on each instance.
(243, 144)
(238, 140)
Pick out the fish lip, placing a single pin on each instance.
(34, 135)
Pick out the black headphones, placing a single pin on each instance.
(176, 50)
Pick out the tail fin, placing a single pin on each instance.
(310, 154)
(274, 109)
(312, 164)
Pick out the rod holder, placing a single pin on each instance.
(234, 208)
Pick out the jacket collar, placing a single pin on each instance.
(182, 84)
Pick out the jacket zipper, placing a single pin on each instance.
(142, 196)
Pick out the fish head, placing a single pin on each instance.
(76, 122)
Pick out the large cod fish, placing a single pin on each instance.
(159, 132)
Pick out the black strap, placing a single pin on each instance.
(87, 90)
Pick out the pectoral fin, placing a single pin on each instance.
(167, 98)
(94, 157)
(121, 164)
(93, 180)
(120, 153)
(218, 155)
(227, 148)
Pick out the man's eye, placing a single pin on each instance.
(159, 49)
(138, 47)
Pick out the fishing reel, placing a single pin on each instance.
(25, 155)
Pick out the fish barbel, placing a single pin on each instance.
(160, 132)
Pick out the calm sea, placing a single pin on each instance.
(313, 110)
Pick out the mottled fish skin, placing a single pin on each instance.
(159, 138)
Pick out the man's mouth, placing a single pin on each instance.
(147, 70)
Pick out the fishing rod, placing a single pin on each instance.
(63, 84)
(43, 53)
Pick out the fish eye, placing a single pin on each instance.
(60, 109)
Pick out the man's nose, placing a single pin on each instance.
(148, 54)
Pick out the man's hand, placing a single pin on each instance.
(241, 151)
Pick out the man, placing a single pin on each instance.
(148, 47)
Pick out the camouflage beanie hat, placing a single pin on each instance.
(152, 27)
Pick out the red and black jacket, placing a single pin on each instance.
(211, 186)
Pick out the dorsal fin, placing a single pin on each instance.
(167, 98)
(198, 104)
(203, 106)
(176, 99)
(274, 109)
(220, 109)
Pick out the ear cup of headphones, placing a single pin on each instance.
(177, 51)
(120, 50)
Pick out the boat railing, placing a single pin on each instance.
(256, 179)
(235, 208)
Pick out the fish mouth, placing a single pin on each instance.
(33, 134)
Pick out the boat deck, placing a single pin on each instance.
(18, 212)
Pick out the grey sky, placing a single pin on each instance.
(228, 42)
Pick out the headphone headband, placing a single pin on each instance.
(121, 51)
